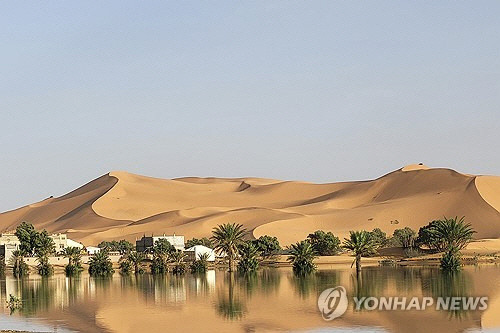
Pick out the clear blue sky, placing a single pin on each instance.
(313, 90)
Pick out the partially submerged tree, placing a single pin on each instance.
(200, 265)
(248, 258)
(301, 256)
(19, 266)
(324, 243)
(162, 250)
(178, 260)
(74, 256)
(226, 239)
(132, 261)
(44, 247)
(361, 244)
(100, 264)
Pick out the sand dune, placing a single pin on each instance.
(123, 205)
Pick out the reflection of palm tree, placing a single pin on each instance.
(445, 284)
(230, 307)
(304, 284)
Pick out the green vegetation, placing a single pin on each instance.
(405, 237)
(226, 239)
(267, 246)
(379, 237)
(202, 241)
(100, 264)
(324, 244)
(161, 252)
(200, 265)
(28, 237)
(361, 244)
(74, 266)
(301, 257)
(14, 303)
(178, 260)
(123, 246)
(44, 247)
(451, 260)
(248, 258)
(19, 266)
(2, 265)
(132, 261)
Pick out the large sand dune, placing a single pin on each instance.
(123, 205)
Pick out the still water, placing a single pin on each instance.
(272, 300)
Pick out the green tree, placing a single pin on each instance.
(226, 239)
(361, 244)
(202, 241)
(427, 237)
(248, 258)
(19, 266)
(405, 237)
(324, 243)
(44, 247)
(134, 262)
(27, 236)
(162, 250)
(74, 256)
(178, 260)
(267, 246)
(100, 264)
(200, 265)
(301, 256)
(379, 237)
(123, 246)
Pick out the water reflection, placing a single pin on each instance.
(276, 299)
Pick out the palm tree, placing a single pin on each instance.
(453, 233)
(177, 258)
(135, 259)
(19, 266)
(302, 256)
(100, 264)
(227, 238)
(361, 244)
(200, 265)
(249, 258)
(74, 256)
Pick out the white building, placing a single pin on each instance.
(194, 252)
(91, 250)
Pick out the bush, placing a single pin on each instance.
(177, 259)
(324, 244)
(100, 264)
(123, 246)
(413, 252)
(267, 246)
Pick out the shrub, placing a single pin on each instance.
(202, 241)
(378, 237)
(405, 237)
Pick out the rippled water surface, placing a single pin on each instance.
(271, 300)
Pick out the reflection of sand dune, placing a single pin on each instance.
(123, 205)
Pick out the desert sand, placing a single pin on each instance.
(123, 205)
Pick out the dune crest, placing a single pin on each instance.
(124, 205)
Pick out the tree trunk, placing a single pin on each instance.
(230, 261)
(358, 263)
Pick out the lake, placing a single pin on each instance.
(271, 300)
